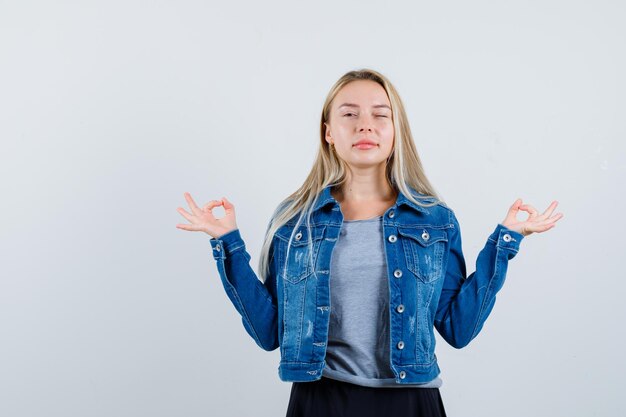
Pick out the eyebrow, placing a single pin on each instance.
(356, 105)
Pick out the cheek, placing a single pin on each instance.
(345, 130)
(389, 131)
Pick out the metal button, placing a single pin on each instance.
(402, 374)
(400, 308)
(392, 238)
(400, 345)
(397, 273)
(392, 213)
(506, 238)
(218, 248)
(425, 235)
(299, 235)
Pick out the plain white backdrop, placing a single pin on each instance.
(110, 110)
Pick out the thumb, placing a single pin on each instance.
(516, 205)
(512, 213)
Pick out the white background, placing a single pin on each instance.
(109, 111)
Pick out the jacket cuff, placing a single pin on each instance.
(226, 244)
(506, 238)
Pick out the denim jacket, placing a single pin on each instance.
(426, 274)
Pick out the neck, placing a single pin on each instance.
(365, 188)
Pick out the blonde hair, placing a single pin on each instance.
(403, 169)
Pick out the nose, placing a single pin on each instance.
(365, 124)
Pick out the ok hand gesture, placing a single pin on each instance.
(534, 222)
(202, 219)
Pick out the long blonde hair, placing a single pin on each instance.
(403, 169)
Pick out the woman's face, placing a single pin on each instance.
(361, 111)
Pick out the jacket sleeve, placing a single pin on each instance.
(254, 300)
(466, 301)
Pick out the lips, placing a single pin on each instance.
(365, 146)
(365, 143)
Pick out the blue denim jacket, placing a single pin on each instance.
(426, 273)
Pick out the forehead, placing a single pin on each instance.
(364, 93)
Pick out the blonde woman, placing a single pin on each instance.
(361, 264)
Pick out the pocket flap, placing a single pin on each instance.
(301, 235)
(423, 235)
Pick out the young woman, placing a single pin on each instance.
(361, 264)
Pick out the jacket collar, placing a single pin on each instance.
(326, 198)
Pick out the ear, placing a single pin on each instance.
(327, 135)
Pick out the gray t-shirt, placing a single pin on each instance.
(358, 334)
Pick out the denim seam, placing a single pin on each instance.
(418, 365)
(511, 248)
(302, 305)
(243, 310)
(280, 280)
(230, 250)
(487, 294)
(387, 223)
(418, 327)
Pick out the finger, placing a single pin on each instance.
(210, 205)
(538, 228)
(543, 225)
(192, 204)
(546, 214)
(228, 206)
(532, 212)
(189, 227)
(555, 218)
(186, 215)
(552, 219)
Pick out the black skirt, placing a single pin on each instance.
(331, 398)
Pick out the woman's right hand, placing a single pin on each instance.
(202, 219)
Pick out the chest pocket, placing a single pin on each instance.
(424, 249)
(302, 253)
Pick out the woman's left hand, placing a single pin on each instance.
(534, 222)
